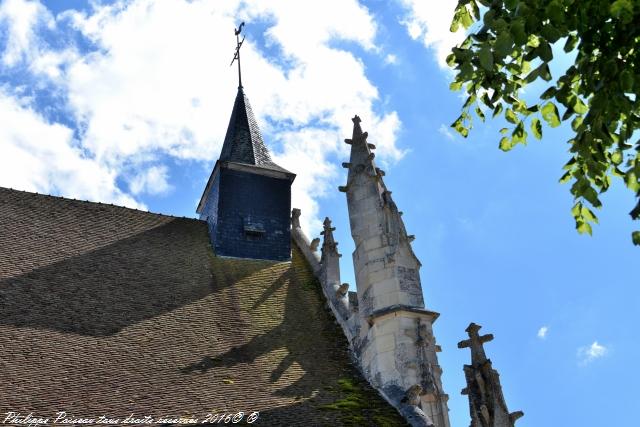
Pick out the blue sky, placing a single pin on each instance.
(128, 103)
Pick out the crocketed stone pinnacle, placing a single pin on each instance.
(329, 245)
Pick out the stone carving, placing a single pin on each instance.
(410, 283)
(329, 245)
(412, 396)
(389, 293)
(486, 401)
(295, 217)
(342, 290)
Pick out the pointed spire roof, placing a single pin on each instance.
(243, 142)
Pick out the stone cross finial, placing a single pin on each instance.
(486, 402)
(475, 342)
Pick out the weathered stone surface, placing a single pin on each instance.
(393, 354)
(486, 401)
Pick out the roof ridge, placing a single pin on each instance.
(35, 193)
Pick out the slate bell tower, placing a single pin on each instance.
(247, 200)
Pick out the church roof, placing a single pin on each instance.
(113, 311)
(243, 142)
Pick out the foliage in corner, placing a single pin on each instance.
(510, 47)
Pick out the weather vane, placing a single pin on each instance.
(237, 54)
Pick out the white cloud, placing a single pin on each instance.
(306, 151)
(391, 59)
(542, 332)
(444, 130)
(21, 18)
(153, 180)
(40, 156)
(160, 84)
(429, 22)
(590, 353)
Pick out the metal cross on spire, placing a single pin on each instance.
(237, 53)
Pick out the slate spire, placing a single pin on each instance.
(243, 142)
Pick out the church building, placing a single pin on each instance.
(116, 316)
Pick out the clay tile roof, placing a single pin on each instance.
(243, 142)
(113, 311)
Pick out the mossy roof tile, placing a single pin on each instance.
(113, 311)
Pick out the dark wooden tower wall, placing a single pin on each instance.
(247, 201)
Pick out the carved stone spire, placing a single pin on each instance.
(329, 245)
(486, 401)
(330, 272)
(396, 343)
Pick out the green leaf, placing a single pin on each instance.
(569, 164)
(480, 113)
(566, 177)
(549, 93)
(503, 45)
(519, 135)
(635, 238)
(550, 33)
(571, 43)
(536, 128)
(588, 214)
(486, 57)
(576, 123)
(505, 144)
(486, 101)
(576, 210)
(511, 116)
(545, 73)
(635, 212)
(497, 110)
(461, 17)
(544, 51)
(455, 86)
(626, 81)
(532, 75)
(451, 60)
(475, 10)
(470, 100)
(592, 197)
(550, 114)
(616, 157)
(622, 10)
(556, 12)
(632, 181)
(466, 18)
(459, 126)
(533, 40)
(517, 31)
(455, 23)
(542, 71)
(583, 227)
(579, 106)
(510, 4)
